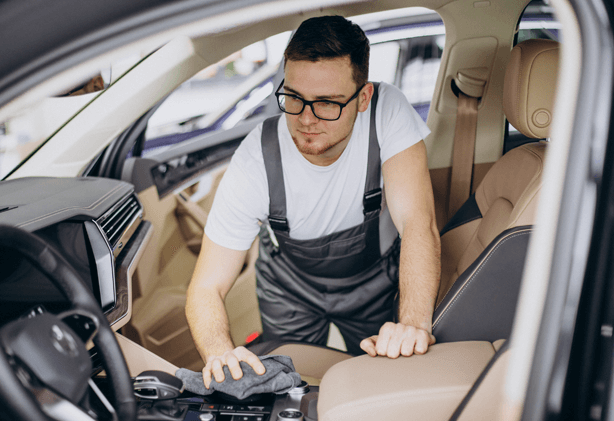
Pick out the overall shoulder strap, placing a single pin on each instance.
(274, 173)
(372, 200)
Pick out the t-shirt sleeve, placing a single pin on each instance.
(398, 124)
(241, 200)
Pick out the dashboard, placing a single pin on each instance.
(96, 224)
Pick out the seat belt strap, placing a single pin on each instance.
(464, 151)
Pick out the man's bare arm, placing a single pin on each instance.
(409, 195)
(216, 270)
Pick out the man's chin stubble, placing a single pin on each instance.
(311, 151)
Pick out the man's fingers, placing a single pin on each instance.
(385, 332)
(407, 347)
(422, 344)
(397, 339)
(217, 371)
(214, 369)
(233, 366)
(243, 354)
(394, 343)
(368, 345)
(423, 340)
(255, 363)
(207, 375)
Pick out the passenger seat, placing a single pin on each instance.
(483, 246)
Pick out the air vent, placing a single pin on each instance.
(119, 219)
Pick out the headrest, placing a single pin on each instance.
(530, 83)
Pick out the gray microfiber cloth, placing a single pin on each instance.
(280, 377)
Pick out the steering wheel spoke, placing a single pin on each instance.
(82, 322)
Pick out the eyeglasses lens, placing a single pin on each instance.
(322, 109)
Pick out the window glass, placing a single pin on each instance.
(405, 51)
(420, 69)
(25, 130)
(383, 62)
(218, 97)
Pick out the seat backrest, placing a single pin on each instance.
(506, 199)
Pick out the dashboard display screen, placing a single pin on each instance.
(23, 286)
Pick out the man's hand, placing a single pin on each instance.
(396, 339)
(215, 365)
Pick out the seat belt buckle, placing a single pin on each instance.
(372, 201)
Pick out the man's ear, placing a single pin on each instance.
(364, 97)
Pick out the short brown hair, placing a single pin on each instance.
(329, 37)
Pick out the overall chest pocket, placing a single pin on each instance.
(329, 250)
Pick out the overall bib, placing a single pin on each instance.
(348, 277)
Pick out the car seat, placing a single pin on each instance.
(483, 246)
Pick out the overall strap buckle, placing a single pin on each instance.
(279, 224)
(372, 201)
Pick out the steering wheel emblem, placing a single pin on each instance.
(63, 341)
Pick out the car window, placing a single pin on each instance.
(383, 61)
(219, 97)
(405, 51)
(419, 71)
(25, 130)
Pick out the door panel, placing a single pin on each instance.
(158, 322)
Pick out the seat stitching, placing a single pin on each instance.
(519, 86)
(472, 277)
(532, 197)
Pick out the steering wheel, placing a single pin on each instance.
(44, 365)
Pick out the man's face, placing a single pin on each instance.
(320, 141)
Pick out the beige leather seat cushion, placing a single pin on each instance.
(421, 387)
(310, 361)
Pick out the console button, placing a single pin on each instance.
(209, 407)
(290, 415)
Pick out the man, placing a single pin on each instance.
(313, 180)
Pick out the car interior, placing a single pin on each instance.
(130, 227)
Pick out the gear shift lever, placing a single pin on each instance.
(156, 385)
(157, 391)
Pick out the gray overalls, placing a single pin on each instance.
(348, 277)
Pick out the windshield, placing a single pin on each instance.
(27, 129)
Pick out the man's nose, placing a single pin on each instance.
(307, 117)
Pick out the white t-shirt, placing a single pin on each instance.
(319, 200)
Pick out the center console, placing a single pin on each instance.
(297, 405)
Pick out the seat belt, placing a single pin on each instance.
(464, 151)
(470, 83)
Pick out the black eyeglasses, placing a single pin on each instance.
(322, 109)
